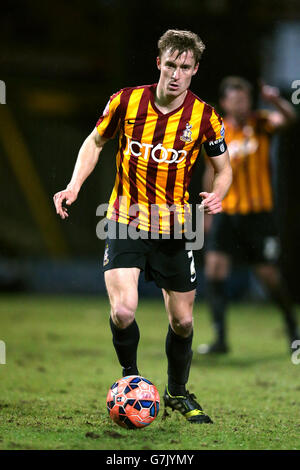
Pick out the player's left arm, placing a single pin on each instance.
(212, 201)
(284, 114)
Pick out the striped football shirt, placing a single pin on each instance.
(249, 150)
(156, 152)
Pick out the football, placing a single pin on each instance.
(133, 402)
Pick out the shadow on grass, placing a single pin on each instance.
(229, 361)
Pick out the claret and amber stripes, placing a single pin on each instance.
(249, 150)
(156, 152)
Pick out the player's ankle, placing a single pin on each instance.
(221, 340)
(132, 370)
(176, 390)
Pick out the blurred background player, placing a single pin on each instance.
(246, 230)
(155, 158)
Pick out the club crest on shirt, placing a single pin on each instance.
(187, 133)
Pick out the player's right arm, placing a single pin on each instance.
(106, 128)
(86, 161)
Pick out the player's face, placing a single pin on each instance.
(237, 103)
(176, 72)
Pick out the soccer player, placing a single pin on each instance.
(246, 230)
(161, 128)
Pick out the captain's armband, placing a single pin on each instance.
(214, 148)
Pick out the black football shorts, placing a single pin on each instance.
(166, 262)
(252, 238)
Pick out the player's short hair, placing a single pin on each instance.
(181, 41)
(234, 83)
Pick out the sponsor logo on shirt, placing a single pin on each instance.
(239, 149)
(158, 153)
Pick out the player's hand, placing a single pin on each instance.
(59, 198)
(211, 202)
(269, 93)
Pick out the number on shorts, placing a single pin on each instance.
(192, 266)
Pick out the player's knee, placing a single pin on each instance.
(216, 267)
(122, 315)
(183, 327)
(269, 274)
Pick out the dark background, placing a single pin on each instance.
(61, 60)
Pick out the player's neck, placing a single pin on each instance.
(168, 103)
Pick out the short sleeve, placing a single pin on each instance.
(109, 122)
(214, 136)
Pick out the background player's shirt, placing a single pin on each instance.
(249, 151)
(156, 152)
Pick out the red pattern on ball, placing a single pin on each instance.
(133, 402)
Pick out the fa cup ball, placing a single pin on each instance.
(133, 402)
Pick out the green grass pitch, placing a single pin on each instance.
(60, 363)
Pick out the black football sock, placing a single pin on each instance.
(179, 353)
(281, 296)
(217, 300)
(125, 341)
